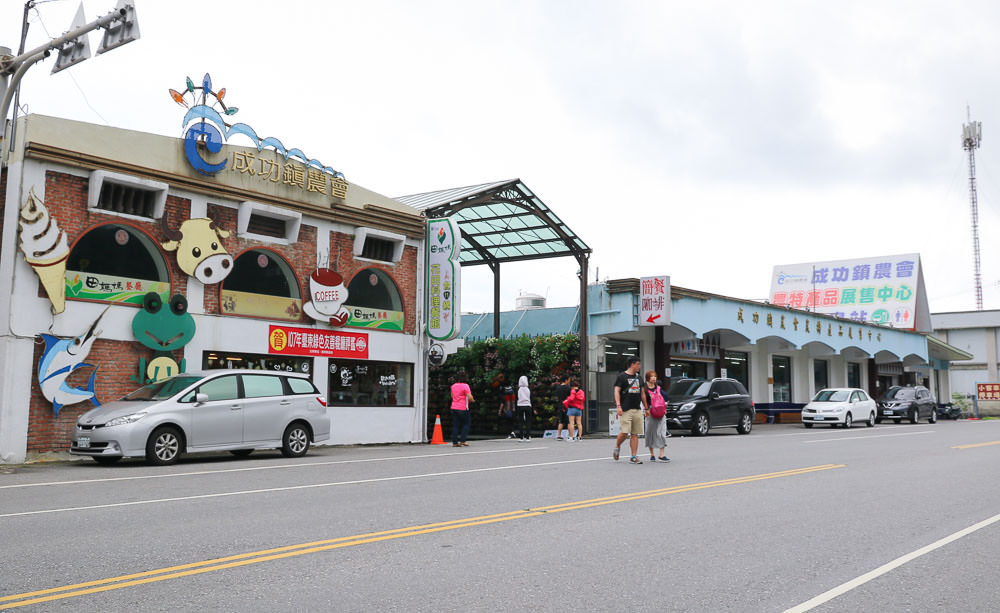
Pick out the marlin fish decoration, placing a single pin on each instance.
(62, 356)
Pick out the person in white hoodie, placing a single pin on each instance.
(524, 410)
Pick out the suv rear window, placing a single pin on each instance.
(301, 386)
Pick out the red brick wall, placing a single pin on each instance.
(118, 361)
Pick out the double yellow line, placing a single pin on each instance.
(267, 555)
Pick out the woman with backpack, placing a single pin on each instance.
(656, 420)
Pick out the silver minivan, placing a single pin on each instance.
(210, 410)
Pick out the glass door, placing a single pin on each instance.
(782, 369)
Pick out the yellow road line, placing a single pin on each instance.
(266, 555)
(976, 445)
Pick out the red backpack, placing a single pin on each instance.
(657, 405)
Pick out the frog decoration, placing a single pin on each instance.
(163, 330)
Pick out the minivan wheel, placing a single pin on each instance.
(701, 424)
(871, 420)
(163, 446)
(914, 416)
(295, 442)
(746, 423)
(933, 418)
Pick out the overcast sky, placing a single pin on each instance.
(708, 141)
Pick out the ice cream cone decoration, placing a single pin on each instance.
(45, 248)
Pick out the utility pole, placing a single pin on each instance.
(972, 134)
(120, 27)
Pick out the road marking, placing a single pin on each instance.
(853, 438)
(267, 555)
(269, 467)
(843, 588)
(976, 445)
(295, 487)
(835, 433)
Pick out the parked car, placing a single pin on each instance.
(914, 403)
(212, 410)
(949, 411)
(700, 405)
(839, 406)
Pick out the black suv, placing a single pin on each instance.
(702, 405)
(913, 403)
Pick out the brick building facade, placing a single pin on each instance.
(91, 189)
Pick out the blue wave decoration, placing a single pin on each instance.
(207, 113)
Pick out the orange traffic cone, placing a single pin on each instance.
(438, 438)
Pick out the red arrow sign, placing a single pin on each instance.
(652, 318)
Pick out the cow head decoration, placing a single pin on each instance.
(199, 248)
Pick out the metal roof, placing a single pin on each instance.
(500, 222)
(528, 322)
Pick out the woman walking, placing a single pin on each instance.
(574, 409)
(524, 408)
(656, 420)
(461, 396)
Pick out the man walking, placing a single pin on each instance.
(630, 402)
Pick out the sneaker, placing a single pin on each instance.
(615, 453)
(652, 458)
(635, 460)
(669, 435)
(664, 458)
(559, 438)
(512, 435)
(528, 439)
(524, 440)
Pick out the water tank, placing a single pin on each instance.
(525, 302)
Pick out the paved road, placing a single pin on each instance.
(893, 518)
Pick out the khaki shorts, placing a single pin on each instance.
(631, 421)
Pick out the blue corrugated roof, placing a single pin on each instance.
(529, 322)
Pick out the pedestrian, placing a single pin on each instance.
(574, 410)
(561, 392)
(461, 396)
(656, 418)
(506, 411)
(524, 410)
(629, 400)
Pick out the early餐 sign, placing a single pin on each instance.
(444, 242)
(654, 301)
(887, 290)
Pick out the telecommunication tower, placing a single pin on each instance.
(972, 134)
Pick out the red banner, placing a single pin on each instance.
(311, 341)
(988, 391)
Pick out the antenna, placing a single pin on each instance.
(972, 135)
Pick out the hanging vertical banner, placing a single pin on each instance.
(654, 301)
(443, 244)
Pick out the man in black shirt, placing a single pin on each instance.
(560, 393)
(630, 402)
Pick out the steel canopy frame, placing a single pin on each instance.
(504, 222)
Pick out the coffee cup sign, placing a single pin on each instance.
(328, 297)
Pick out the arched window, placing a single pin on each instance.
(374, 301)
(262, 284)
(116, 263)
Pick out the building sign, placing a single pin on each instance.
(376, 319)
(886, 290)
(444, 241)
(284, 340)
(654, 301)
(260, 305)
(988, 391)
(205, 131)
(89, 286)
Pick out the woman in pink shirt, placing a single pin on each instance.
(461, 396)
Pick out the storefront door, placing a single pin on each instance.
(782, 369)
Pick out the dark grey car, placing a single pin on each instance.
(700, 405)
(913, 403)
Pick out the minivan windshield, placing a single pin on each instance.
(901, 393)
(832, 396)
(161, 390)
(689, 387)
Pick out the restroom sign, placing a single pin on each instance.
(654, 301)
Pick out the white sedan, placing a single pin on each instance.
(839, 405)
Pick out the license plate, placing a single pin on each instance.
(886, 412)
(83, 442)
(818, 418)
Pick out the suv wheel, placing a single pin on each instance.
(701, 425)
(933, 418)
(914, 415)
(746, 423)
